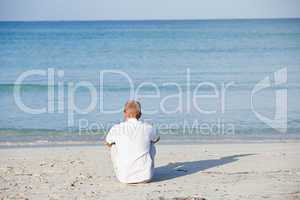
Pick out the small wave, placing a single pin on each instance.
(146, 88)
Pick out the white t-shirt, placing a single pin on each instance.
(132, 160)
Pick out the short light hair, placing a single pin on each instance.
(133, 109)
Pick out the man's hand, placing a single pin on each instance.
(156, 140)
(109, 144)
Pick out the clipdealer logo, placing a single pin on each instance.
(279, 122)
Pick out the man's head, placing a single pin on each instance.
(132, 109)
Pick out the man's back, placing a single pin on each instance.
(133, 152)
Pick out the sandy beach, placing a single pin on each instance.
(210, 171)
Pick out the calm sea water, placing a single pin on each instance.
(161, 53)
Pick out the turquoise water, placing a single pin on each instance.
(156, 52)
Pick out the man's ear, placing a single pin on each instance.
(139, 115)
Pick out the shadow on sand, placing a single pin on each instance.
(178, 169)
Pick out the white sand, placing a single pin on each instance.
(212, 171)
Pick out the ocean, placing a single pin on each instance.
(195, 78)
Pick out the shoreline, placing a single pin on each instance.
(176, 141)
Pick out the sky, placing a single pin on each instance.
(36, 10)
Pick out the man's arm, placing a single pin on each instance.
(111, 137)
(109, 144)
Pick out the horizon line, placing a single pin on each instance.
(177, 19)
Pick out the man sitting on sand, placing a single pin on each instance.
(132, 146)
